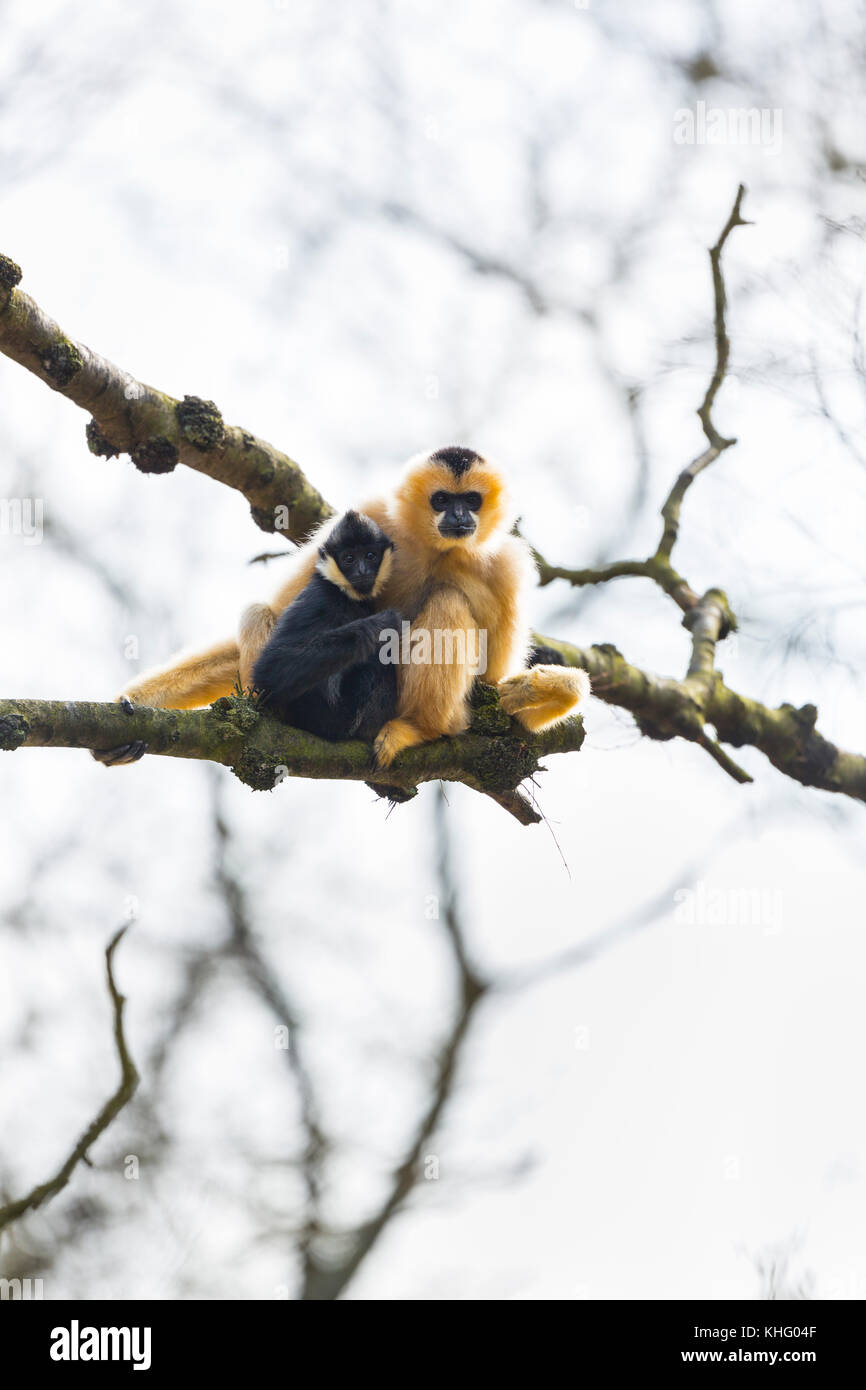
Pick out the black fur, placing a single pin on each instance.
(320, 670)
(545, 656)
(455, 457)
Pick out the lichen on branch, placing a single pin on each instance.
(495, 756)
(156, 430)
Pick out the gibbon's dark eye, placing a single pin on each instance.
(348, 558)
(371, 555)
(473, 501)
(439, 501)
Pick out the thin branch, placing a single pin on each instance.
(723, 342)
(657, 566)
(717, 443)
(658, 571)
(724, 760)
(13, 1211)
(485, 263)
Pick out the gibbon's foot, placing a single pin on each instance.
(124, 752)
(543, 695)
(392, 738)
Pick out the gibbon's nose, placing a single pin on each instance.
(364, 576)
(457, 520)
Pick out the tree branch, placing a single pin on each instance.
(657, 566)
(664, 708)
(12, 1211)
(155, 429)
(494, 757)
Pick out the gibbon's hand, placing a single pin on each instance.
(124, 752)
(388, 618)
(377, 624)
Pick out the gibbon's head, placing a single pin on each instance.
(356, 556)
(452, 497)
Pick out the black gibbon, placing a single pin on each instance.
(320, 669)
(456, 567)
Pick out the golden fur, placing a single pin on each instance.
(435, 582)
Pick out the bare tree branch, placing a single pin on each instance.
(34, 1199)
(658, 566)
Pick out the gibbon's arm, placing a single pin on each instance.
(513, 577)
(537, 696)
(432, 696)
(292, 663)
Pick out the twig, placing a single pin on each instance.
(717, 443)
(657, 566)
(13, 1211)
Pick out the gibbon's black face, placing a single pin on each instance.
(357, 548)
(452, 500)
(458, 512)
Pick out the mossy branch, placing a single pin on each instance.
(664, 708)
(494, 757)
(155, 429)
